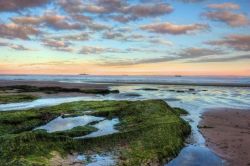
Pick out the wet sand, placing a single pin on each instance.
(227, 133)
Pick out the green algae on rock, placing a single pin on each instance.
(150, 132)
(180, 111)
(14, 98)
(56, 89)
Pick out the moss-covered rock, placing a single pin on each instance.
(150, 132)
(56, 89)
(13, 98)
(180, 111)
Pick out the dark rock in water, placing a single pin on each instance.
(191, 89)
(114, 91)
(180, 91)
(94, 122)
(172, 99)
(190, 120)
(148, 89)
(169, 90)
(56, 89)
(204, 90)
(204, 127)
(132, 94)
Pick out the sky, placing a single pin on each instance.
(125, 37)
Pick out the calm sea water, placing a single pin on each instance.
(132, 79)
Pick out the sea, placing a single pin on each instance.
(221, 80)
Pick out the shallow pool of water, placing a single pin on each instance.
(196, 156)
(96, 160)
(62, 124)
(45, 102)
(104, 127)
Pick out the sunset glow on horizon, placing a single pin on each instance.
(125, 37)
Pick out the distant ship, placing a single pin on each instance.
(178, 76)
(83, 74)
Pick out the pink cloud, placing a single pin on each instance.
(118, 10)
(97, 50)
(51, 19)
(227, 5)
(149, 10)
(58, 45)
(13, 30)
(14, 46)
(13, 5)
(237, 42)
(174, 29)
(230, 18)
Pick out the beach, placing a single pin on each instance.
(124, 83)
(54, 97)
(227, 133)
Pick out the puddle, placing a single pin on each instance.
(196, 156)
(104, 127)
(61, 124)
(96, 160)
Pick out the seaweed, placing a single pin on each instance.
(55, 89)
(14, 98)
(150, 132)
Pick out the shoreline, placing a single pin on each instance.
(227, 133)
(22, 91)
(177, 83)
(103, 85)
(4, 83)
